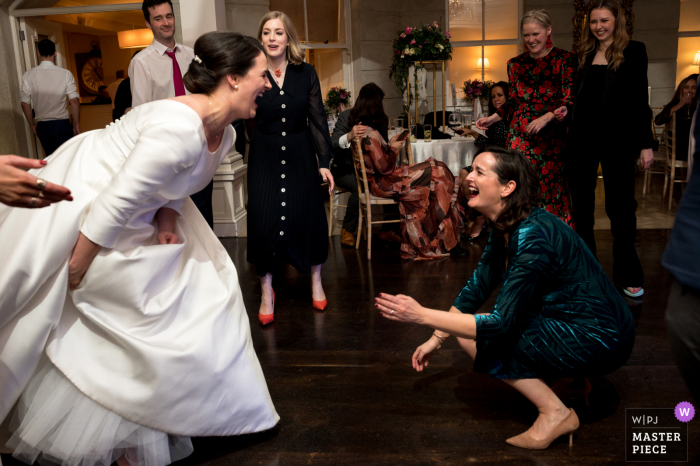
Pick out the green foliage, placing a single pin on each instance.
(425, 43)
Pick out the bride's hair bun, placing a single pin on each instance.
(217, 55)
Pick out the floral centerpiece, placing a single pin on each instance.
(419, 44)
(476, 89)
(337, 99)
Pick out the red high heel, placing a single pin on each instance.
(320, 305)
(266, 319)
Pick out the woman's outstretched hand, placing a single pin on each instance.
(326, 174)
(485, 122)
(399, 307)
(424, 352)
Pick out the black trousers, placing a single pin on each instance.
(53, 133)
(683, 326)
(202, 200)
(620, 205)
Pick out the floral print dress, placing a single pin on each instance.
(538, 86)
(431, 207)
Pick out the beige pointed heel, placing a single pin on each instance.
(568, 425)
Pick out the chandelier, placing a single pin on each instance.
(457, 8)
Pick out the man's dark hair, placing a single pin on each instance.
(369, 109)
(152, 4)
(46, 48)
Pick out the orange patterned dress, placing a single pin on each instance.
(428, 195)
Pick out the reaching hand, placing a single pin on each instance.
(485, 122)
(647, 158)
(21, 189)
(424, 352)
(357, 131)
(399, 307)
(326, 174)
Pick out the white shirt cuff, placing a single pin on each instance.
(343, 142)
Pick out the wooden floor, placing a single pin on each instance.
(343, 384)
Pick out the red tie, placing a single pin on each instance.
(177, 76)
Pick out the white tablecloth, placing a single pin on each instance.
(456, 153)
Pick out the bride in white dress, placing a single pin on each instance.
(122, 325)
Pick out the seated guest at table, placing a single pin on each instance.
(366, 113)
(103, 97)
(683, 103)
(427, 192)
(496, 135)
(557, 314)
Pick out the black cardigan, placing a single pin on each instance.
(626, 99)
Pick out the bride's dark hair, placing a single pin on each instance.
(221, 54)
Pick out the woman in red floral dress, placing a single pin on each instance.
(541, 83)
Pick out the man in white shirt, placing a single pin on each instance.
(156, 73)
(44, 89)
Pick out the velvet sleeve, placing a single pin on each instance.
(532, 263)
(318, 123)
(483, 281)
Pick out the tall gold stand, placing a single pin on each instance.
(408, 88)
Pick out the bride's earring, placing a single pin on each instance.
(235, 86)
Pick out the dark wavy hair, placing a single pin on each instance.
(513, 165)
(152, 4)
(222, 54)
(503, 85)
(369, 110)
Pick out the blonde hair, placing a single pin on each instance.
(540, 17)
(590, 43)
(295, 54)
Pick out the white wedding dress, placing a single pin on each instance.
(154, 346)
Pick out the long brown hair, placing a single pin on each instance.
(679, 90)
(589, 43)
(513, 165)
(369, 109)
(295, 54)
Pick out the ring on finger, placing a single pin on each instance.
(33, 201)
(40, 184)
(41, 194)
(392, 311)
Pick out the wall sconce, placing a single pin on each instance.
(135, 38)
(696, 62)
(480, 65)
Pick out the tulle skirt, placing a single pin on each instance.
(55, 423)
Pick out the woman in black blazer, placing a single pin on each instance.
(611, 125)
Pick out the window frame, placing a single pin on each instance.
(483, 42)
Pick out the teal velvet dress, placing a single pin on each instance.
(557, 313)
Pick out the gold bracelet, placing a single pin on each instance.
(440, 339)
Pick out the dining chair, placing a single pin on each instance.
(333, 217)
(660, 155)
(367, 199)
(671, 163)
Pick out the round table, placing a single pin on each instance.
(456, 153)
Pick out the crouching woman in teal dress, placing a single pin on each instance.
(557, 314)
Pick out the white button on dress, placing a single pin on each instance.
(284, 204)
(281, 233)
(283, 133)
(283, 217)
(281, 92)
(283, 190)
(282, 176)
(283, 120)
(284, 148)
(283, 162)
(284, 106)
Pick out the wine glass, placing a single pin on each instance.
(454, 121)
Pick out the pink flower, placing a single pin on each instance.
(448, 35)
(413, 42)
(408, 30)
(343, 95)
(403, 35)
